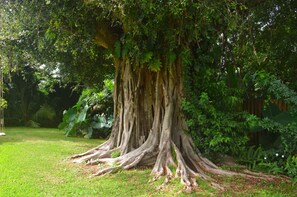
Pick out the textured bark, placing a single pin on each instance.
(149, 128)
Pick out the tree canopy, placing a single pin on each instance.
(246, 34)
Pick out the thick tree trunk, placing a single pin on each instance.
(149, 127)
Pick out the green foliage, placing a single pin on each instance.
(22, 96)
(276, 155)
(91, 117)
(286, 133)
(291, 167)
(272, 87)
(33, 34)
(275, 43)
(214, 118)
(284, 124)
(45, 116)
(117, 50)
(3, 103)
(270, 161)
(32, 124)
(252, 157)
(146, 57)
(155, 65)
(272, 168)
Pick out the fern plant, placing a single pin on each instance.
(252, 157)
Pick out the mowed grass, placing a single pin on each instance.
(34, 162)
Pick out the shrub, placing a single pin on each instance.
(270, 161)
(92, 115)
(213, 111)
(32, 124)
(45, 116)
(291, 167)
(282, 124)
(278, 153)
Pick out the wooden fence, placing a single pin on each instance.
(255, 106)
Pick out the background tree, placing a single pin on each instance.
(29, 53)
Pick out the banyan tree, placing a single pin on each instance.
(151, 42)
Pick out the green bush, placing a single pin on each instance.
(291, 167)
(92, 116)
(277, 151)
(281, 124)
(32, 124)
(270, 161)
(252, 157)
(213, 111)
(45, 116)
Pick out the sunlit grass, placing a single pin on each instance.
(34, 162)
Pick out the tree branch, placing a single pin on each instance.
(106, 36)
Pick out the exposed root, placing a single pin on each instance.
(189, 164)
(262, 176)
(188, 176)
(134, 163)
(217, 186)
(106, 171)
(102, 151)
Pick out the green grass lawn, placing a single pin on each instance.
(34, 162)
